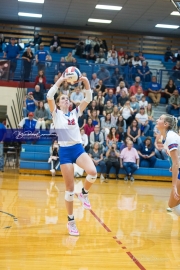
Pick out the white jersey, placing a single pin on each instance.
(66, 126)
(172, 142)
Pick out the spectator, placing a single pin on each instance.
(27, 63)
(155, 91)
(20, 44)
(88, 128)
(177, 55)
(69, 58)
(124, 144)
(176, 69)
(88, 45)
(29, 104)
(96, 155)
(94, 83)
(160, 152)
(147, 152)
(112, 61)
(79, 49)
(41, 115)
(96, 136)
(108, 108)
(103, 74)
(115, 78)
(37, 95)
(49, 117)
(136, 62)
(130, 72)
(48, 61)
(91, 56)
(82, 121)
(127, 112)
(36, 42)
(93, 107)
(111, 52)
(121, 128)
(76, 97)
(169, 89)
(55, 45)
(96, 45)
(28, 123)
(143, 121)
(84, 138)
(144, 72)
(141, 56)
(100, 102)
(112, 138)
(62, 65)
(174, 103)
(168, 55)
(54, 157)
(134, 88)
(65, 88)
(2, 137)
(111, 97)
(134, 105)
(94, 117)
(106, 124)
(121, 54)
(124, 60)
(100, 87)
(150, 112)
(121, 88)
(129, 160)
(11, 52)
(41, 57)
(139, 95)
(41, 81)
(114, 115)
(112, 160)
(134, 132)
(101, 58)
(143, 103)
(122, 99)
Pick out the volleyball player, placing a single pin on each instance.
(167, 125)
(71, 149)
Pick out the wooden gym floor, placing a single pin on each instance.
(128, 227)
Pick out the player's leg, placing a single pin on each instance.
(68, 176)
(172, 200)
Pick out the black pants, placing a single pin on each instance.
(114, 164)
(129, 121)
(27, 69)
(54, 164)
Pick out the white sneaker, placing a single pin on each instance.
(72, 228)
(101, 177)
(169, 209)
(85, 200)
(52, 171)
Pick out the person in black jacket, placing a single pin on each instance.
(36, 42)
(55, 45)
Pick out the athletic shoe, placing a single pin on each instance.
(101, 177)
(52, 171)
(132, 178)
(169, 209)
(72, 228)
(85, 200)
(126, 178)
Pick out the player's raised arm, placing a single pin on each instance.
(88, 97)
(52, 91)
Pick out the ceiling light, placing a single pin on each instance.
(33, 1)
(167, 26)
(108, 7)
(176, 13)
(99, 21)
(29, 14)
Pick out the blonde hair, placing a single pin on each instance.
(172, 121)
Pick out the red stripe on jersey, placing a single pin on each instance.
(173, 145)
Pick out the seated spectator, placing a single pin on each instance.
(124, 144)
(112, 138)
(141, 56)
(177, 55)
(92, 107)
(100, 102)
(155, 91)
(122, 99)
(69, 58)
(127, 112)
(65, 88)
(79, 49)
(88, 45)
(101, 57)
(103, 74)
(147, 152)
(76, 97)
(28, 123)
(96, 45)
(111, 52)
(136, 62)
(139, 95)
(27, 63)
(134, 105)
(143, 103)
(91, 56)
(121, 88)
(134, 132)
(114, 115)
(108, 108)
(124, 60)
(36, 42)
(88, 128)
(144, 72)
(134, 88)
(54, 158)
(130, 72)
(96, 155)
(115, 78)
(150, 112)
(29, 104)
(129, 160)
(96, 136)
(160, 152)
(55, 45)
(41, 81)
(112, 61)
(81, 84)
(110, 97)
(174, 102)
(62, 65)
(48, 61)
(143, 121)
(82, 121)
(49, 118)
(94, 117)
(168, 55)
(169, 89)
(106, 124)
(112, 160)
(41, 57)
(121, 128)
(37, 95)
(176, 69)
(121, 54)
(84, 139)
(94, 83)
(100, 87)
(41, 115)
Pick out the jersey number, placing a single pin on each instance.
(71, 122)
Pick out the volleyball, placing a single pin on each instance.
(72, 75)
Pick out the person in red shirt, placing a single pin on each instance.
(88, 128)
(41, 81)
(134, 88)
(176, 74)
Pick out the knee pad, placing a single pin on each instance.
(69, 196)
(176, 210)
(91, 178)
